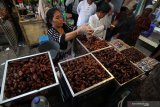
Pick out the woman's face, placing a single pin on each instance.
(57, 20)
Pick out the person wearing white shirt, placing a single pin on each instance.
(85, 9)
(98, 21)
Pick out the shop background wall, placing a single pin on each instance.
(129, 3)
(126, 2)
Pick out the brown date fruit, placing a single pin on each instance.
(84, 72)
(120, 67)
(24, 75)
(133, 54)
(93, 43)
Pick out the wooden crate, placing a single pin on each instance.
(32, 29)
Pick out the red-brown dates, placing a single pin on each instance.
(121, 68)
(28, 74)
(93, 43)
(133, 54)
(84, 72)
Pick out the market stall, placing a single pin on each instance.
(100, 66)
(98, 73)
(24, 76)
(31, 25)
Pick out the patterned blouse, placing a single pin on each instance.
(54, 35)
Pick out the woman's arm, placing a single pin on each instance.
(69, 36)
(62, 39)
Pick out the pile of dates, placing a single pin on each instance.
(28, 74)
(133, 54)
(93, 43)
(84, 72)
(121, 68)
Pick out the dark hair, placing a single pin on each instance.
(109, 0)
(103, 7)
(49, 16)
(123, 9)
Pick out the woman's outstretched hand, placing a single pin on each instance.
(85, 30)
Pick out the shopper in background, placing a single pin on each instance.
(128, 27)
(123, 24)
(62, 33)
(71, 6)
(117, 21)
(111, 12)
(85, 9)
(142, 24)
(98, 21)
(109, 18)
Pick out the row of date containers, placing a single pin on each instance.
(34, 75)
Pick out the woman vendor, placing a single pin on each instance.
(62, 33)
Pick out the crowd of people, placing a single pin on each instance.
(107, 24)
(98, 19)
